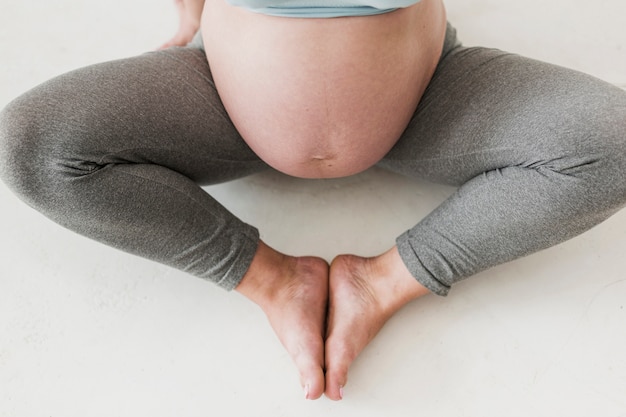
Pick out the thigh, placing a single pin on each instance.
(538, 152)
(160, 108)
(486, 109)
(115, 152)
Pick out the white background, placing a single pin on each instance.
(86, 330)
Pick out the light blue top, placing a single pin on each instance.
(322, 8)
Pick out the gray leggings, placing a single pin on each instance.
(118, 151)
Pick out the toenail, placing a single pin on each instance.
(341, 392)
(306, 392)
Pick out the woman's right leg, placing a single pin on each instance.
(117, 151)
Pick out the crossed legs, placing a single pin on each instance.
(116, 152)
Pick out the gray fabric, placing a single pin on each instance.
(538, 153)
(117, 151)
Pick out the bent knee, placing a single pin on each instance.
(16, 144)
(605, 152)
(611, 127)
(26, 150)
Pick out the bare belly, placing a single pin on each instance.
(322, 98)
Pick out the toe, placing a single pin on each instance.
(311, 376)
(308, 357)
(313, 383)
(336, 379)
(338, 360)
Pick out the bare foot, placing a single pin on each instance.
(364, 294)
(293, 293)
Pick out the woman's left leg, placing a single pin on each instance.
(539, 155)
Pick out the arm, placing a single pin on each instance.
(189, 13)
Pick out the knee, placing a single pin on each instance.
(23, 149)
(15, 142)
(602, 152)
(611, 141)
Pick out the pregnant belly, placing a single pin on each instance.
(322, 98)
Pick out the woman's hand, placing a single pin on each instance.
(189, 13)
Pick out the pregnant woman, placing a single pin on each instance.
(320, 89)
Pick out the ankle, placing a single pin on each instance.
(399, 284)
(262, 279)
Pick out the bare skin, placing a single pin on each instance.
(322, 98)
(189, 12)
(293, 293)
(364, 294)
(323, 316)
(361, 295)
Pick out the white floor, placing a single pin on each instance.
(89, 331)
